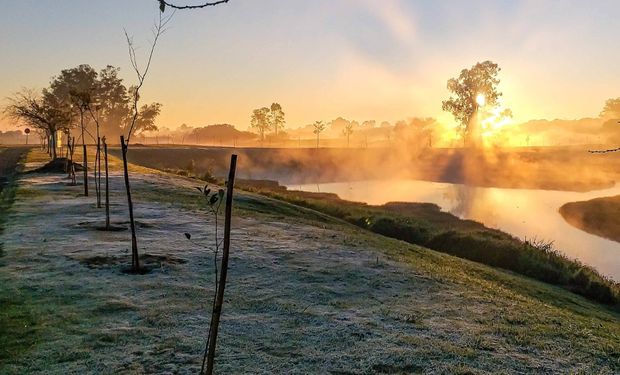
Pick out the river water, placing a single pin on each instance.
(524, 213)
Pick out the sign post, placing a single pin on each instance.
(27, 131)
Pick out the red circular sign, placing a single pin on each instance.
(27, 131)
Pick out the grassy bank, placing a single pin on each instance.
(307, 293)
(15, 318)
(424, 224)
(597, 216)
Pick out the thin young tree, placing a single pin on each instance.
(107, 185)
(347, 131)
(97, 165)
(135, 94)
(319, 126)
(71, 147)
(81, 101)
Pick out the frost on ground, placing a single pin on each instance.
(304, 295)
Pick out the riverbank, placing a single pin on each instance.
(596, 216)
(307, 293)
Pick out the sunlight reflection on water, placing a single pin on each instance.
(521, 212)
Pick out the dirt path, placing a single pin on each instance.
(304, 296)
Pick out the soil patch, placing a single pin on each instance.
(58, 165)
(149, 262)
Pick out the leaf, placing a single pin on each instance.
(213, 199)
(162, 6)
(188, 236)
(207, 191)
(199, 189)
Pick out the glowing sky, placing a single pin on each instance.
(360, 59)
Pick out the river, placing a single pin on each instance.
(524, 213)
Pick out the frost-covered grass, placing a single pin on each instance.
(426, 225)
(307, 294)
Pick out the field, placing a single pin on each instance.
(553, 168)
(307, 293)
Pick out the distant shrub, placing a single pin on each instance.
(208, 177)
(404, 230)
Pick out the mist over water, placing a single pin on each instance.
(524, 213)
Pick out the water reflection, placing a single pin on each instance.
(521, 212)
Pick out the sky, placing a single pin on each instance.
(360, 59)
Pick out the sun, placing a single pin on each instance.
(481, 100)
(494, 122)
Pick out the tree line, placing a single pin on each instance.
(81, 96)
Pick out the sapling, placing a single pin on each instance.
(214, 202)
(214, 199)
(107, 185)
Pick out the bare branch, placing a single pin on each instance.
(157, 32)
(163, 4)
(604, 151)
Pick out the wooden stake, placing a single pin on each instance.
(217, 310)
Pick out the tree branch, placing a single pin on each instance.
(159, 29)
(163, 4)
(604, 151)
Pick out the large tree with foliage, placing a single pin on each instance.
(276, 118)
(260, 121)
(473, 87)
(77, 87)
(611, 110)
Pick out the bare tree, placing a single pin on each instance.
(347, 131)
(43, 114)
(141, 74)
(81, 101)
(97, 166)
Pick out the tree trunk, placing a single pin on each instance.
(67, 166)
(107, 187)
(85, 159)
(53, 146)
(71, 163)
(135, 261)
(85, 169)
(97, 170)
(217, 310)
